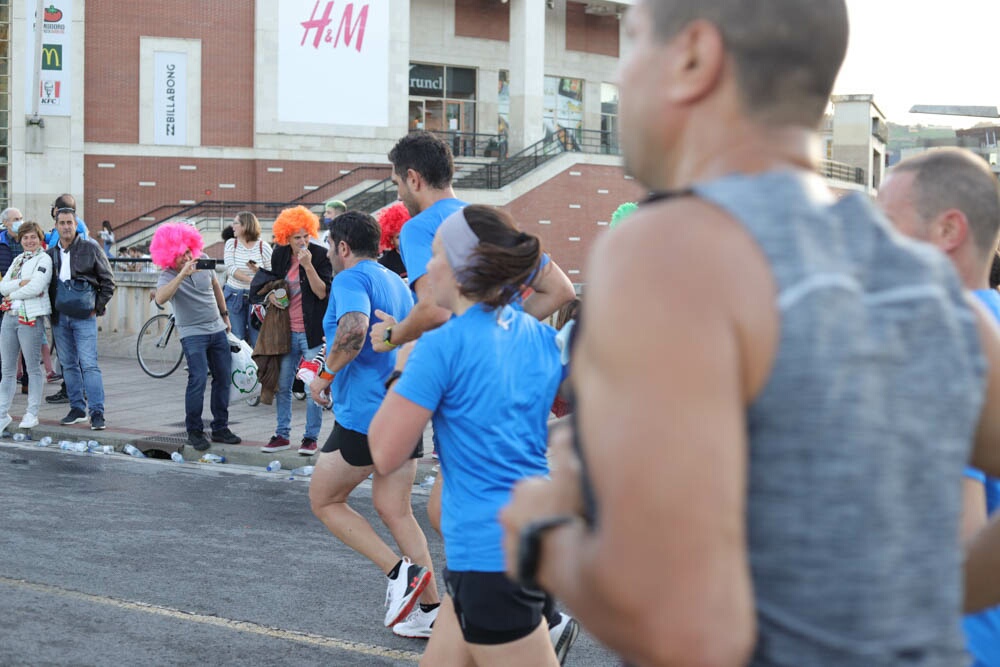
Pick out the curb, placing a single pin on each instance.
(161, 446)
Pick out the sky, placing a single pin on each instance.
(907, 53)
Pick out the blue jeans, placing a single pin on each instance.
(16, 337)
(289, 364)
(76, 340)
(204, 352)
(238, 305)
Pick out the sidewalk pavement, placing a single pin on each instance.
(149, 414)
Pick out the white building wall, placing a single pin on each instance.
(36, 179)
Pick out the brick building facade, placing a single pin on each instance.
(494, 73)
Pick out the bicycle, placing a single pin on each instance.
(158, 347)
(162, 353)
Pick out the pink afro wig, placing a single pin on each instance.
(293, 220)
(391, 220)
(173, 239)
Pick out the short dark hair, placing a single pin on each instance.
(787, 53)
(956, 178)
(359, 231)
(228, 233)
(63, 201)
(425, 154)
(503, 261)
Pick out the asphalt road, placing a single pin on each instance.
(107, 560)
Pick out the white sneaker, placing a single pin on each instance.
(29, 421)
(5, 422)
(418, 624)
(402, 592)
(563, 635)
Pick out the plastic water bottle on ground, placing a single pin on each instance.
(73, 446)
(212, 458)
(304, 471)
(428, 482)
(132, 451)
(45, 441)
(20, 437)
(273, 466)
(176, 457)
(105, 449)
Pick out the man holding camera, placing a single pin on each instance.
(188, 282)
(82, 285)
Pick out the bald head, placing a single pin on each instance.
(953, 178)
(786, 53)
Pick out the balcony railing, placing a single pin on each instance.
(842, 172)
(473, 144)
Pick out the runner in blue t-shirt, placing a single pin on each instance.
(423, 170)
(486, 378)
(356, 376)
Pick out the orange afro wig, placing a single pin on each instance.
(173, 239)
(391, 220)
(294, 220)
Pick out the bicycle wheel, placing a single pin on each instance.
(159, 346)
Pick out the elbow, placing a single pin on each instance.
(683, 630)
(692, 640)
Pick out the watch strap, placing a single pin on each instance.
(529, 550)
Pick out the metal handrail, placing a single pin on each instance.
(472, 144)
(354, 175)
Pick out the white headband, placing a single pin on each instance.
(459, 242)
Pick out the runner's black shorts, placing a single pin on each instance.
(492, 609)
(353, 446)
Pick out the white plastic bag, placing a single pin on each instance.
(244, 384)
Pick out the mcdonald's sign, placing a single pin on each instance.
(52, 56)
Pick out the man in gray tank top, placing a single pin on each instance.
(768, 457)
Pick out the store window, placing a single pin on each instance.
(609, 118)
(562, 110)
(443, 100)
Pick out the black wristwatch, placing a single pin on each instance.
(393, 376)
(529, 549)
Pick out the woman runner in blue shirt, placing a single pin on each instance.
(487, 379)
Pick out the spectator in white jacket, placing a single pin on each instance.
(25, 290)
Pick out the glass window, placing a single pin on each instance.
(609, 118)
(503, 103)
(442, 99)
(562, 108)
(461, 83)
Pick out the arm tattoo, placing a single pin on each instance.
(351, 330)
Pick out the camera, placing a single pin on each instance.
(206, 264)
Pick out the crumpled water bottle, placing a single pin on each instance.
(20, 437)
(428, 482)
(132, 451)
(273, 466)
(176, 457)
(212, 458)
(304, 471)
(68, 446)
(44, 442)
